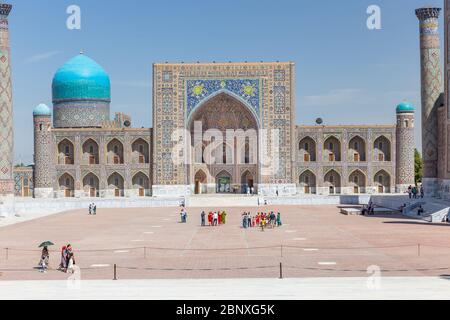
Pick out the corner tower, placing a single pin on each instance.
(6, 107)
(43, 162)
(405, 147)
(431, 83)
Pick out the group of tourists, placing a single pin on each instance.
(416, 192)
(215, 219)
(262, 220)
(67, 259)
(92, 209)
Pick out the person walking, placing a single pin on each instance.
(90, 209)
(215, 219)
(210, 218)
(422, 192)
(63, 265)
(414, 191)
(244, 220)
(410, 191)
(203, 215)
(279, 223)
(70, 263)
(45, 259)
(224, 217)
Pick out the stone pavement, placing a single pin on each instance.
(150, 243)
(390, 288)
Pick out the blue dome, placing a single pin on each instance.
(81, 78)
(42, 110)
(405, 107)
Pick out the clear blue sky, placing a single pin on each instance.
(346, 74)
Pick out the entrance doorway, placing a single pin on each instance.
(200, 182)
(247, 182)
(223, 182)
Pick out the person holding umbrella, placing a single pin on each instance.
(45, 255)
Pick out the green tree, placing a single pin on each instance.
(418, 166)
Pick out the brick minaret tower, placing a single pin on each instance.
(43, 161)
(405, 147)
(6, 108)
(431, 89)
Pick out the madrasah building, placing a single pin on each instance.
(81, 152)
(226, 128)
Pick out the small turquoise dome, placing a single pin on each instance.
(42, 110)
(81, 78)
(405, 107)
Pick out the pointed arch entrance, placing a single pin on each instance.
(200, 182)
(333, 182)
(223, 182)
(308, 182)
(225, 130)
(247, 182)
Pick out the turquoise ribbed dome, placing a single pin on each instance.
(405, 107)
(81, 78)
(42, 110)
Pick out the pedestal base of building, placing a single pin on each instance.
(7, 206)
(171, 191)
(277, 189)
(430, 186)
(444, 189)
(6, 188)
(43, 193)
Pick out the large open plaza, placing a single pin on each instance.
(314, 241)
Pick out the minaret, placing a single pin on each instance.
(431, 74)
(6, 108)
(43, 155)
(405, 145)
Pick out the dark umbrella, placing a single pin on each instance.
(46, 244)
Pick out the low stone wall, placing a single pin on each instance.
(319, 200)
(51, 206)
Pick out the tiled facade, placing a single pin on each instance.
(346, 159)
(6, 111)
(116, 160)
(23, 181)
(431, 78)
(93, 162)
(264, 90)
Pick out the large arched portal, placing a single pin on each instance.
(224, 136)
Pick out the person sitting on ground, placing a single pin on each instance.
(420, 211)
